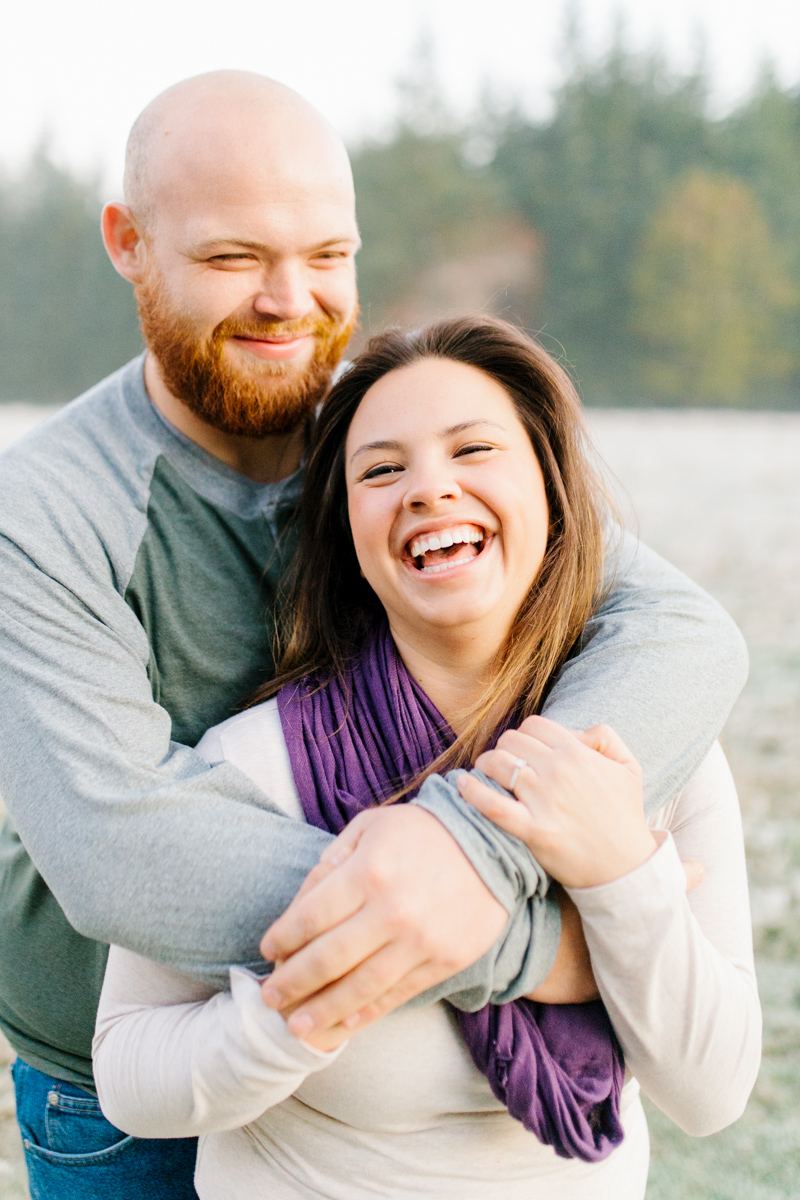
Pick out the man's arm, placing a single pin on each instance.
(141, 842)
(661, 663)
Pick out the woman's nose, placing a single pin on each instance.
(429, 489)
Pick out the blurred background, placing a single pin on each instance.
(622, 178)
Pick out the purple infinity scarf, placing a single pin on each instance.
(557, 1068)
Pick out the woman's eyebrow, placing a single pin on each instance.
(470, 425)
(387, 445)
(451, 429)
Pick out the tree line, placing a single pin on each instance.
(653, 247)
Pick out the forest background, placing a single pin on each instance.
(653, 246)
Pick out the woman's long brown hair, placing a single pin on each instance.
(330, 608)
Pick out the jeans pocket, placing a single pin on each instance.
(73, 1153)
(62, 1122)
(74, 1157)
(75, 1125)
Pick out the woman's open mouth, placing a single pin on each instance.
(443, 549)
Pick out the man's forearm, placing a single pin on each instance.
(522, 959)
(661, 663)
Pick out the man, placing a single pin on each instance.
(143, 535)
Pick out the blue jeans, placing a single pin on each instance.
(73, 1153)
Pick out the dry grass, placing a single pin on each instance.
(718, 494)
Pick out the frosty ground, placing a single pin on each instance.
(718, 493)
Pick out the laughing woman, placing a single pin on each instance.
(451, 555)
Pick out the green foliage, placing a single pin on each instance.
(588, 184)
(588, 180)
(66, 318)
(418, 203)
(709, 291)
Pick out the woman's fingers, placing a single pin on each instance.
(578, 800)
(605, 741)
(540, 729)
(416, 981)
(508, 814)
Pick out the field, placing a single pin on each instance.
(718, 493)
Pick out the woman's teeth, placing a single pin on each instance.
(444, 538)
(447, 548)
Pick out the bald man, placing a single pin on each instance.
(144, 532)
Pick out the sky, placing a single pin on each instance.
(79, 72)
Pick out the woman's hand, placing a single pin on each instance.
(578, 806)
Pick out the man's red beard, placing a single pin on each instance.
(272, 398)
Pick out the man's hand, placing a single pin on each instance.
(394, 908)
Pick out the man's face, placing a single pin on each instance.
(248, 295)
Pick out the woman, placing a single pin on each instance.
(452, 552)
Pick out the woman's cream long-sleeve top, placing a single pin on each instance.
(401, 1110)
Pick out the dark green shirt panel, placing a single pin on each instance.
(51, 963)
(205, 587)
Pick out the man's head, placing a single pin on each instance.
(239, 235)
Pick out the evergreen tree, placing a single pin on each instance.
(710, 289)
(588, 180)
(421, 202)
(66, 318)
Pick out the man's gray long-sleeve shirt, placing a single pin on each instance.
(138, 581)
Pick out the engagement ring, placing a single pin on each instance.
(519, 763)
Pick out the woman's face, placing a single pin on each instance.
(446, 500)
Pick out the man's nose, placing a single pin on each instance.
(284, 294)
(431, 488)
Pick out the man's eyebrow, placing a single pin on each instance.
(258, 247)
(451, 429)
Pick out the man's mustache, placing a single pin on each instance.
(316, 326)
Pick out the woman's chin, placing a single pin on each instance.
(448, 614)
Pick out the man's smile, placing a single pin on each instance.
(274, 348)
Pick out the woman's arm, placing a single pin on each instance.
(676, 973)
(571, 981)
(172, 1061)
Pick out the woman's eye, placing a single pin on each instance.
(382, 469)
(473, 448)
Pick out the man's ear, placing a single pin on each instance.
(123, 241)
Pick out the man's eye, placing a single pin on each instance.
(381, 470)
